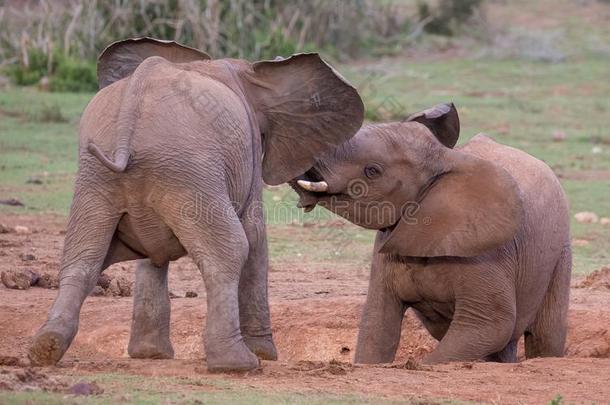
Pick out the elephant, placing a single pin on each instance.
(173, 152)
(475, 239)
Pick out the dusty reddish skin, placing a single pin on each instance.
(307, 327)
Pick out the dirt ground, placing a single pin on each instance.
(315, 311)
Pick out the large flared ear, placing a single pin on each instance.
(305, 108)
(442, 120)
(121, 58)
(473, 207)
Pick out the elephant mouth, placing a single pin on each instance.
(311, 188)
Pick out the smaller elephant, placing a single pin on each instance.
(475, 238)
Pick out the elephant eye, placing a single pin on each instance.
(372, 171)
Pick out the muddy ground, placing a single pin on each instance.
(315, 311)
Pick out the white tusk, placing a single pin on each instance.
(316, 187)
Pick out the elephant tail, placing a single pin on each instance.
(129, 111)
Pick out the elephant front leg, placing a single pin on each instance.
(151, 313)
(253, 288)
(380, 325)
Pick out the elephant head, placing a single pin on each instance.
(301, 105)
(406, 180)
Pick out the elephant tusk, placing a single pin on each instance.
(315, 186)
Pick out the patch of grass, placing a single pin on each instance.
(558, 400)
(38, 140)
(49, 113)
(518, 103)
(133, 389)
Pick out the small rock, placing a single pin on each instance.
(9, 361)
(21, 230)
(190, 294)
(586, 217)
(104, 281)
(27, 257)
(559, 136)
(596, 150)
(120, 287)
(12, 202)
(86, 388)
(34, 277)
(5, 229)
(48, 280)
(604, 221)
(33, 181)
(18, 279)
(97, 292)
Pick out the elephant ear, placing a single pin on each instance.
(305, 108)
(442, 120)
(121, 58)
(473, 207)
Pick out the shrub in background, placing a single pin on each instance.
(74, 76)
(70, 35)
(449, 16)
(26, 75)
(64, 73)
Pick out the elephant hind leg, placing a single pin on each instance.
(151, 313)
(216, 241)
(506, 355)
(547, 335)
(91, 224)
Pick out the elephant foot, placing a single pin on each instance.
(237, 358)
(150, 349)
(261, 346)
(48, 348)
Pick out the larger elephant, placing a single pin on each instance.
(173, 153)
(475, 239)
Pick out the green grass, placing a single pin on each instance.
(132, 389)
(31, 148)
(517, 102)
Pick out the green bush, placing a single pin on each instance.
(64, 73)
(47, 113)
(250, 29)
(28, 75)
(449, 16)
(74, 76)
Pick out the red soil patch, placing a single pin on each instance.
(315, 334)
(598, 280)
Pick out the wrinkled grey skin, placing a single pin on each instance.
(474, 239)
(171, 162)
